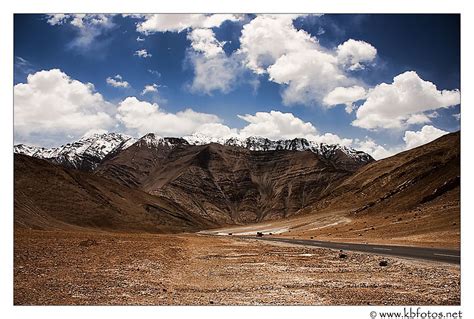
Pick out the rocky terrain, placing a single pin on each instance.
(249, 181)
(102, 234)
(238, 182)
(412, 198)
(49, 196)
(84, 268)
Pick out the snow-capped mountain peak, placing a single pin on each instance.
(89, 151)
(85, 153)
(255, 143)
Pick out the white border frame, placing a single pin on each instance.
(8, 8)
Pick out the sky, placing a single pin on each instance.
(378, 83)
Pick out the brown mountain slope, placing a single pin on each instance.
(402, 182)
(410, 198)
(133, 165)
(228, 184)
(48, 196)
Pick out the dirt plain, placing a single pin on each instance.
(101, 268)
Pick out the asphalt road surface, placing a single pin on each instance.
(434, 254)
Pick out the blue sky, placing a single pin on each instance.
(231, 71)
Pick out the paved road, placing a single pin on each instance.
(434, 254)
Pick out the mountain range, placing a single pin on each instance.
(156, 184)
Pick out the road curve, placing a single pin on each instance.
(433, 254)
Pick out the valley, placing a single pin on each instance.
(164, 221)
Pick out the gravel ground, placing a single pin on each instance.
(76, 268)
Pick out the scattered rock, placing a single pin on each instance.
(259, 234)
(88, 243)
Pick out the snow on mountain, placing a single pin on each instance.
(86, 153)
(89, 151)
(153, 140)
(254, 143)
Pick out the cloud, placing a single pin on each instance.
(57, 19)
(346, 96)
(418, 118)
(268, 37)
(308, 75)
(154, 72)
(88, 26)
(294, 59)
(22, 67)
(276, 125)
(205, 42)
(412, 139)
(216, 131)
(353, 54)
(396, 105)
(273, 125)
(141, 117)
(330, 138)
(51, 104)
(457, 116)
(150, 88)
(94, 131)
(375, 150)
(143, 53)
(213, 69)
(117, 82)
(140, 39)
(427, 134)
(178, 22)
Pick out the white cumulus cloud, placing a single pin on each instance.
(295, 59)
(411, 140)
(213, 69)
(141, 117)
(353, 54)
(58, 18)
(427, 134)
(143, 53)
(268, 37)
(178, 22)
(276, 125)
(51, 103)
(150, 88)
(346, 96)
(308, 75)
(117, 81)
(375, 150)
(217, 131)
(205, 42)
(395, 105)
